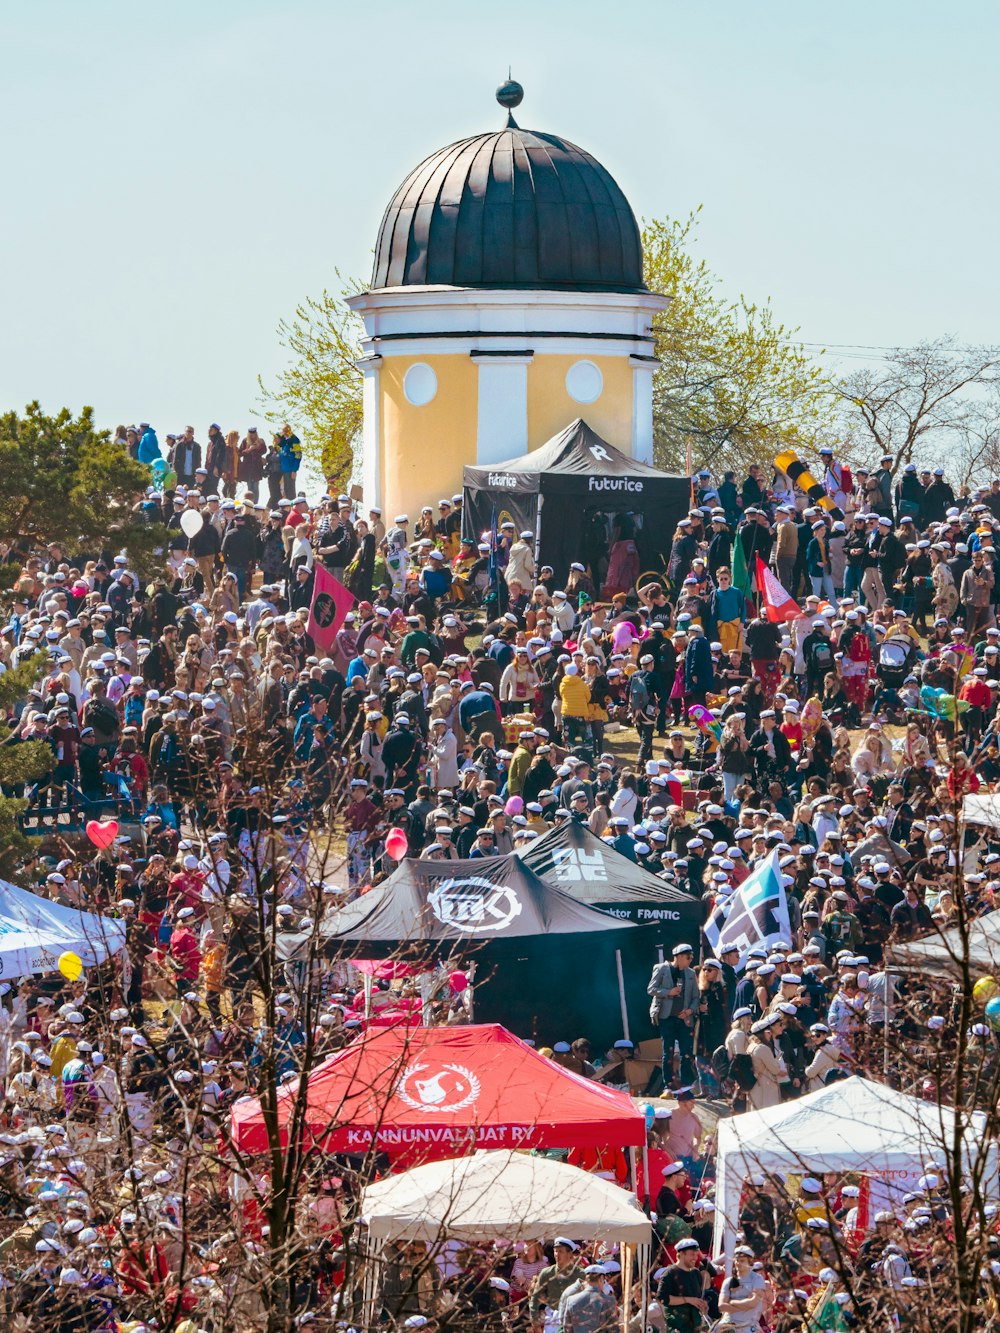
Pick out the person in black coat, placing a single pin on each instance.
(769, 750)
(363, 564)
(301, 593)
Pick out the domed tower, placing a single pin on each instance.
(506, 300)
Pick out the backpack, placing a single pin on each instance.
(822, 655)
(741, 1071)
(722, 1066)
(103, 717)
(638, 694)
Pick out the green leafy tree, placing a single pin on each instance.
(19, 763)
(67, 481)
(320, 388)
(733, 386)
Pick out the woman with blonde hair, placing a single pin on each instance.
(301, 552)
(916, 747)
(225, 598)
(872, 758)
(732, 757)
(945, 594)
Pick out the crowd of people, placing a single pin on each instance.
(470, 701)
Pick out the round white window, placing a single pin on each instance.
(584, 382)
(420, 384)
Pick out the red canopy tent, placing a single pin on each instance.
(441, 1092)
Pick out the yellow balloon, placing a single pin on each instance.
(985, 989)
(70, 965)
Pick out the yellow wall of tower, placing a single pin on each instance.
(424, 449)
(551, 409)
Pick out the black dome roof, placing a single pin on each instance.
(510, 209)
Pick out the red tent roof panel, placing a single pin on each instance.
(441, 1092)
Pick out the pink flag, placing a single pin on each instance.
(331, 602)
(778, 604)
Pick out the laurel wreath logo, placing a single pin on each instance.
(431, 1097)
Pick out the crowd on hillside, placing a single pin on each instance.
(472, 699)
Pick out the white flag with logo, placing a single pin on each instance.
(757, 913)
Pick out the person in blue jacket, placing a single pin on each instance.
(290, 459)
(149, 446)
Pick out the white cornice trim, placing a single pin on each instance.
(501, 358)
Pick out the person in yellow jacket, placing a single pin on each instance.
(574, 695)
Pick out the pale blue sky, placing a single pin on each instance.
(176, 177)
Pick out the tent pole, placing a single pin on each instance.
(627, 1255)
(886, 1022)
(368, 982)
(644, 1201)
(370, 1284)
(621, 993)
(643, 1256)
(426, 991)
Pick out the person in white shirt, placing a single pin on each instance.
(741, 1300)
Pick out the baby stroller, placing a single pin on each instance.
(896, 657)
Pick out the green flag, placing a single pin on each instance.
(742, 578)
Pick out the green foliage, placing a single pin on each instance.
(320, 389)
(18, 763)
(66, 481)
(732, 387)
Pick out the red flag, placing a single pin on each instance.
(331, 602)
(777, 603)
(864, 1202)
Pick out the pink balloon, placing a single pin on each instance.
(396, 845)
(514, 806)
(458, 982)
(102, 835)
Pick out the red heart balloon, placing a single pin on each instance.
(102, 835)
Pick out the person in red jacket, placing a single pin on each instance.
(978, 695)
(184, 953)
(963, 779)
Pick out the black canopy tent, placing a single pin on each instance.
(571, 858)
(558, 489)
(546, 963)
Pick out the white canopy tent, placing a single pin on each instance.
(852, 1125)
(945, 952)
(492, 1194)
(35, 931)
(983, 808)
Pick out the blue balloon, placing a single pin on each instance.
(993, 1013)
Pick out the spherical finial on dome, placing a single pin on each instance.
(510, 94)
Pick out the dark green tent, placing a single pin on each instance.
(571, 858)
(546, 964)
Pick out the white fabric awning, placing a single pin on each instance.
(501, 1194)
(947, 951)
(852, 1125)
(982, 808)
(35, 931)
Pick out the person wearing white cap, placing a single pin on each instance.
(549, 1286)
(591, 1308)
(741, 1296)
(768, 1066)
(521, 561)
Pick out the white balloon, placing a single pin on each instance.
(191, 522)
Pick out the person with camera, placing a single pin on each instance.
(741, 1300)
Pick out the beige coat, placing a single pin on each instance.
(771, 1073)
(825, 1059)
